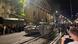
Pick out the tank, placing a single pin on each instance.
(43, 28)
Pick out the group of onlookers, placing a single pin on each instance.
(72, 36)
(10, 28)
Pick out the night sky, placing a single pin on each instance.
(64, 6)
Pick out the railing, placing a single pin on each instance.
(57, 39)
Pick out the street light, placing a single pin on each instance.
(56, 11)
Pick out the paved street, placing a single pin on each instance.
(39, 41)
(13, 38)
(19, 37)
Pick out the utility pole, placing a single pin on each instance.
(71, 8)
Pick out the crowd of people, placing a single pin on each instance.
(10, 28)
(72, 36)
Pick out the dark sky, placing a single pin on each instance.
(64, 6)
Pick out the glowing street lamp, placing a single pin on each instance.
(56, 11)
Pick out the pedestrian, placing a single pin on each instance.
(73, 33)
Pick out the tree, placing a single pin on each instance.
(22, 2)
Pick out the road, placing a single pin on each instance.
(19, 37)
(13, 38)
